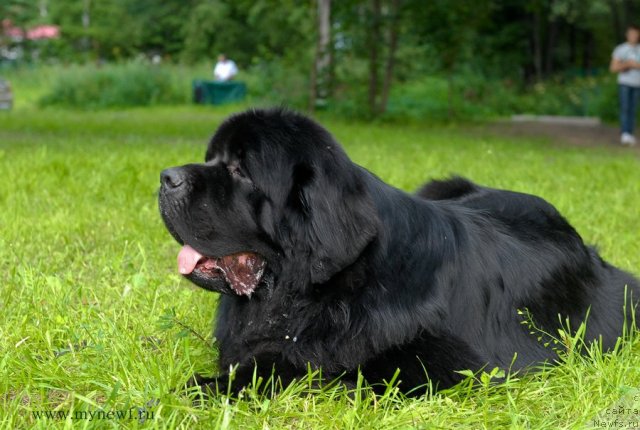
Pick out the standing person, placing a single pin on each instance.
(625, 61)
(225, 69)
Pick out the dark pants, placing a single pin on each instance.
(628, 103)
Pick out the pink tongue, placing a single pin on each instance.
(242, 270)
(187, 259)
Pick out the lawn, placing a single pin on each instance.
(94, 317)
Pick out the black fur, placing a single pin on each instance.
(361, 275)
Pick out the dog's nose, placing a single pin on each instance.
(172, 178)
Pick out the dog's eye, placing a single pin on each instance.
(236, 171)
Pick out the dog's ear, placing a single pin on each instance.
(336, 218)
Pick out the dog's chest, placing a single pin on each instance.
(251, 326)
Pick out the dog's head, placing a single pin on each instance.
(275, 194)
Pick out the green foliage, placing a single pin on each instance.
(130, 84)
(117, 29)
(512, 51)
(205, 22)
(474, 96)
(276, 83)
(138, 83)
(450, 27)
(591, 96)
(95, 317)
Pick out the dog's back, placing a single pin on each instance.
(587, 284)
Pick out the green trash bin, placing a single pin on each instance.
(217, 93)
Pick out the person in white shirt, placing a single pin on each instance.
(625, 61)
(225, 69)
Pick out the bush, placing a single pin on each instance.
(473, 96)
(590, 96)
(117, 85)
(277, 83)
(142, 84)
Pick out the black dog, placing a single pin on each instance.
(321, 263)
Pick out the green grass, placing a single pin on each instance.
(93, 315)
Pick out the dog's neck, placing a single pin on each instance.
(432, 232)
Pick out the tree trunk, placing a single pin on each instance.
(572, 46)
(615, 17)
(587, 54)
(374, 40)
(320, 73)
(629, 12)
(42, 7)
(450, 89)
(313, 86)
(551, 44)
(391, 55)
(86, 22)
(537, 44)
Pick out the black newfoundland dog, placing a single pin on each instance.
(322, 264)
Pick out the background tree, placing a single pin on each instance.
(450, 28)
(320, 72)
(348, 53)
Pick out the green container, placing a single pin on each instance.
(217, 93)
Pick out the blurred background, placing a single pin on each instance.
(436, 60)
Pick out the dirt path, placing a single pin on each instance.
(581, 135)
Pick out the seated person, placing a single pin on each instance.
(225, 69)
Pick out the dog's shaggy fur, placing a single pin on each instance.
(355, 274)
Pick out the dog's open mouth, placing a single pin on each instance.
(242, 271)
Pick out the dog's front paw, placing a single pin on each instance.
(202, 388)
